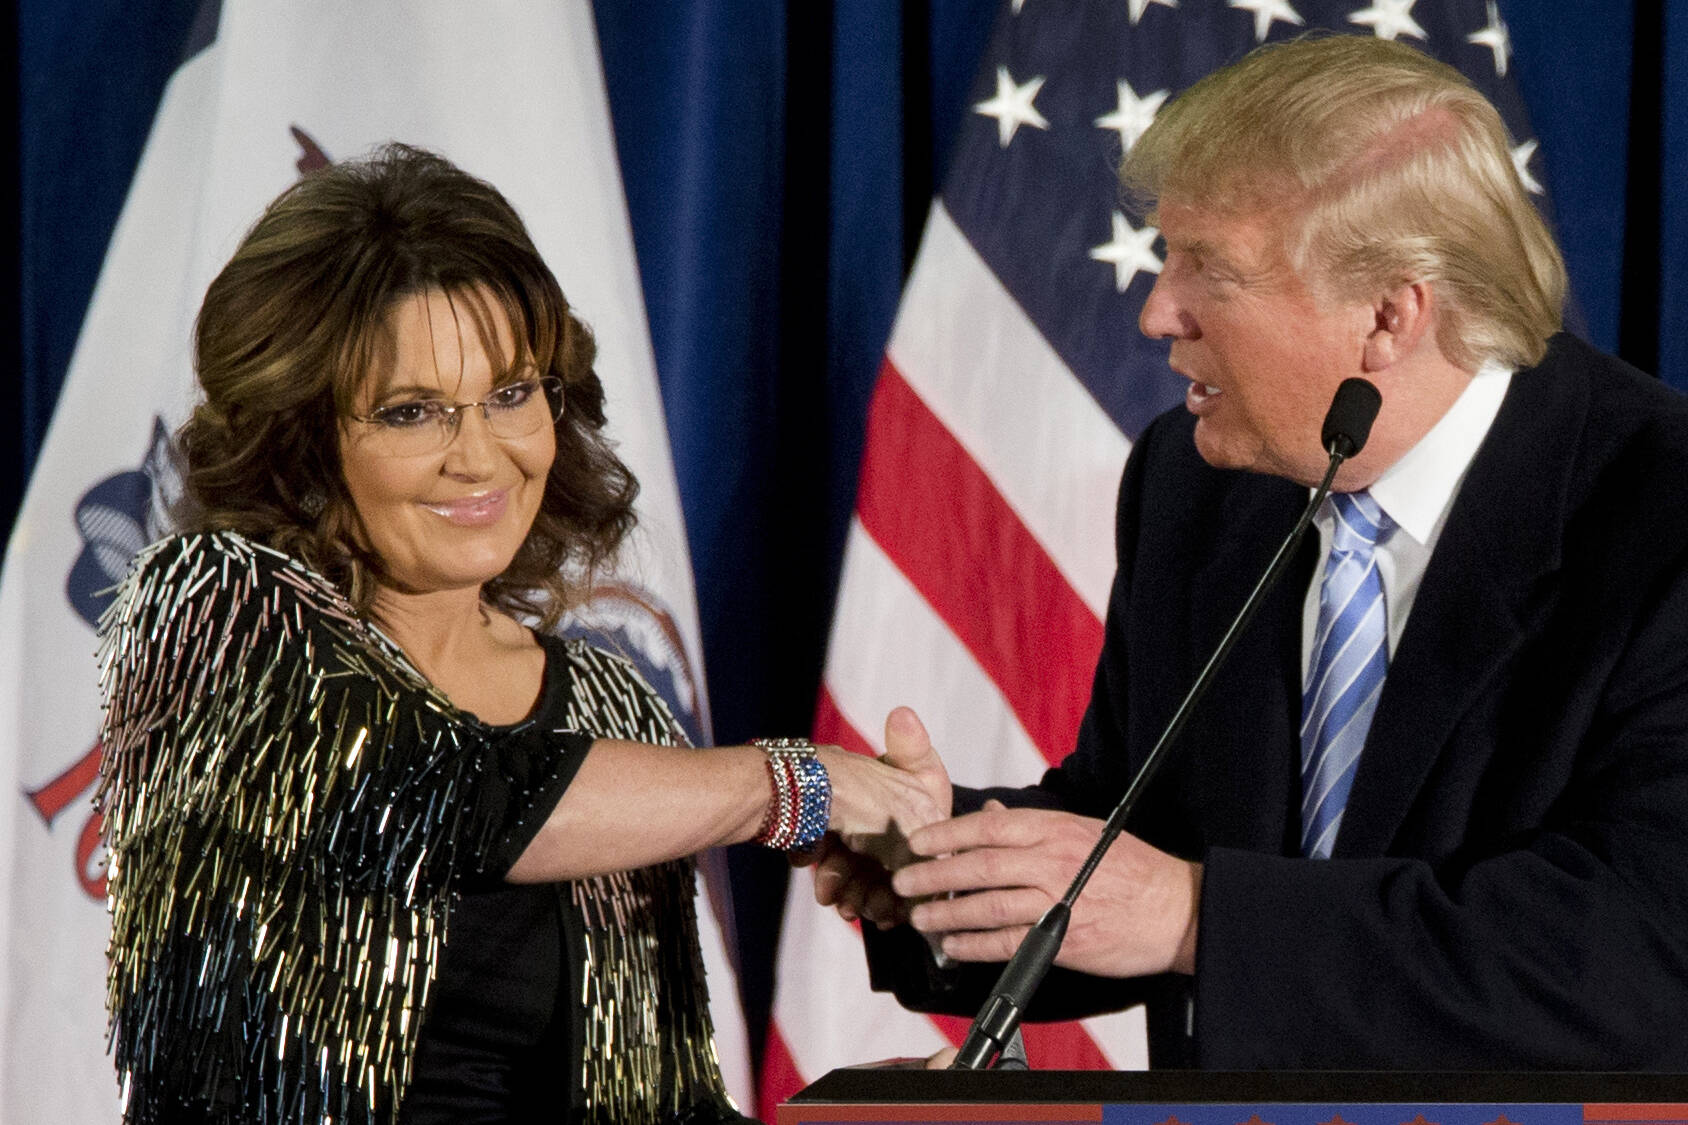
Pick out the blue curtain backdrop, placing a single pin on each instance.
(778, 158)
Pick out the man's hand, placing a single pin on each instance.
(1006, 867)
(857, 885)
(872, 821)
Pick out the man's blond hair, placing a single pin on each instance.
(1393, 168)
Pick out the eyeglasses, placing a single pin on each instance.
(427, 425)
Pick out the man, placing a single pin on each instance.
(1434, 811)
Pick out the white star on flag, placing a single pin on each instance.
(1265, 11)
(1389, 18)
(1495, 38)
(1017, 5)
(1130, 252)
(1012, 107)
(1134, 114)
(1138, 7)
(1521, 161)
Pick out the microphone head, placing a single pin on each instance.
(1349, 420)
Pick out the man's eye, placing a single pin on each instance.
(513, 397)
(406, 415)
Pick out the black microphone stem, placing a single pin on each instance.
(999, 1017)
(1280, 561)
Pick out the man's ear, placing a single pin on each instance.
(1401, 320)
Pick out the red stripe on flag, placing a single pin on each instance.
(1062, 1046)
(780, 1079)
(946, 527)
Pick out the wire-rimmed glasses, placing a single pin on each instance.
(426, 425)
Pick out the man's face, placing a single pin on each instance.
(1263, 350)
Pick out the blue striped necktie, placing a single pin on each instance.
(1345, 676)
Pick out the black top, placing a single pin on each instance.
(497, 1041)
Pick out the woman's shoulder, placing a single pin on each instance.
(584, 655)
(598, 663)
(184, 571)
(607, 690)
(190, 555)
(222, 592)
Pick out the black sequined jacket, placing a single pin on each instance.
(288, 807)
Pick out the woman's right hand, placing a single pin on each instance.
(876, 803)
(633, 804)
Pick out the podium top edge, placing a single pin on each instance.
(872, 1084)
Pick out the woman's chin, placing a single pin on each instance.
(438, 577)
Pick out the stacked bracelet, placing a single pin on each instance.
(801, 806)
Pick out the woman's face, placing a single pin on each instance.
(453, 514)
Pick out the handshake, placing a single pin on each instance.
(975, 884)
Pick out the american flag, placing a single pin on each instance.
(979, 559)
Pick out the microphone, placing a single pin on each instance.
(1348, 421)
(1346, 427)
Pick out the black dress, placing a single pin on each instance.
(502, 1039)
(499, 1029)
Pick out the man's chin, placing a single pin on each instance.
(1224, 451)
(1214, 447)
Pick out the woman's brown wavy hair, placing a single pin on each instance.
(298, 320)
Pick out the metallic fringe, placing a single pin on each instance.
(650, 1050)
(286, 802)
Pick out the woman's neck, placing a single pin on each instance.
(445, 629)
(481, 658)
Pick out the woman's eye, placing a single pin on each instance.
(513, 397)
(405, 415)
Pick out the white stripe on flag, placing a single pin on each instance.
(1122, 1036)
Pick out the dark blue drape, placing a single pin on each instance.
(1672, 183)
(778, 157)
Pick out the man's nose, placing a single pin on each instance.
(1161, 317)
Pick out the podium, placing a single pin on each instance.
(1181, 1097)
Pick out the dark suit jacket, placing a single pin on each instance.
(1510, 886)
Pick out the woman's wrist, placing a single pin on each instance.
(800, 795)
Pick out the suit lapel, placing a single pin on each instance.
(1474, 607)
(1252, 713)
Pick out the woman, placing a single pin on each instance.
(331, 730)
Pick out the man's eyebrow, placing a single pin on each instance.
(1202, 248)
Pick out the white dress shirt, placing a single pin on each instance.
(1416, 492)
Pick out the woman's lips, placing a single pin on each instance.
(481, 510)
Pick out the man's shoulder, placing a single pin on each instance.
(1631, 423)
(1616, 390)
(1570, 353)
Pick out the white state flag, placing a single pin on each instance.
(511, 93)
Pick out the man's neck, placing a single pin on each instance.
(1417, 394)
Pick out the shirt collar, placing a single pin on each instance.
(1417, 490)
